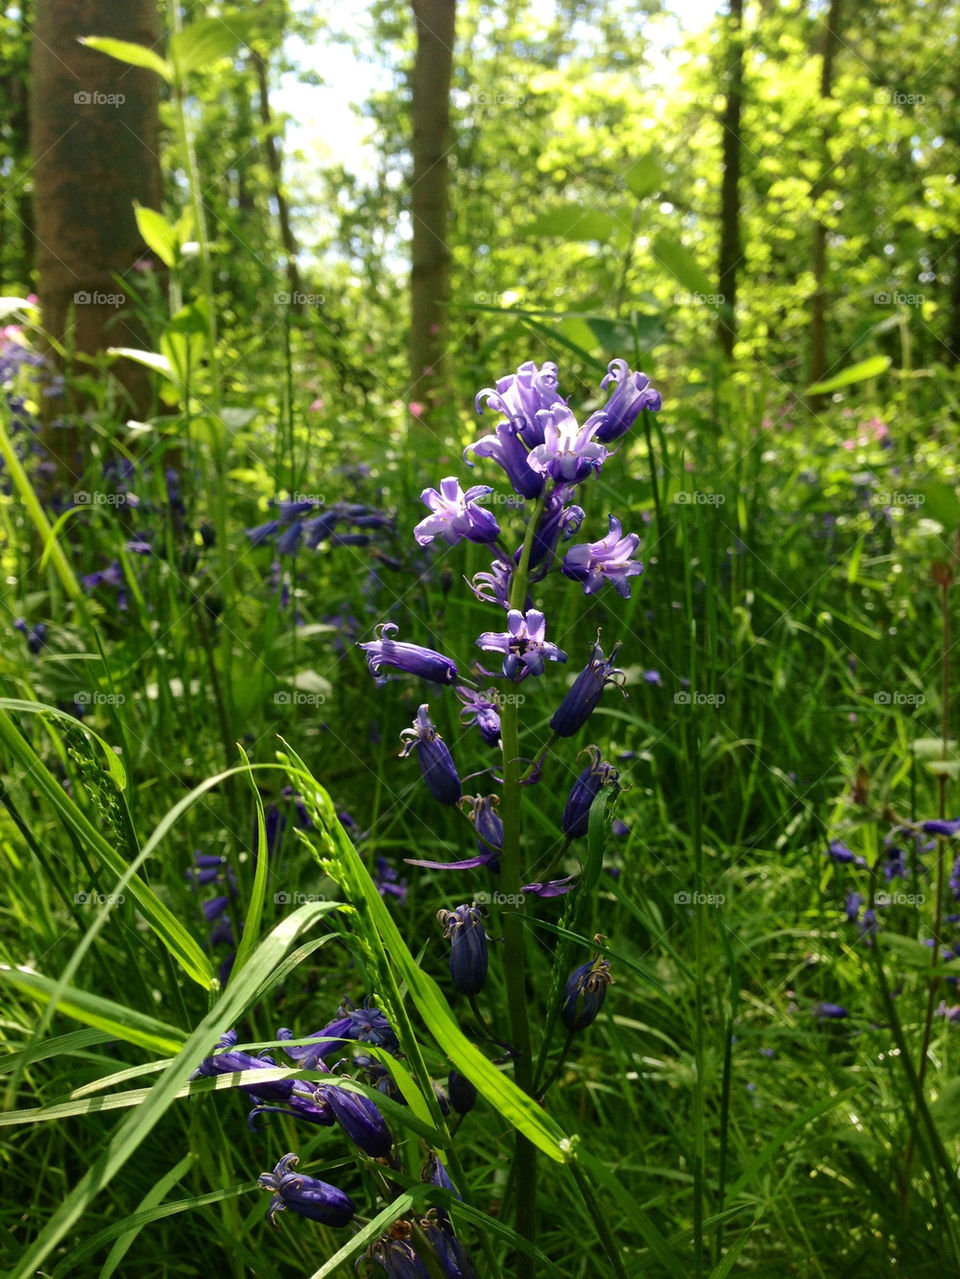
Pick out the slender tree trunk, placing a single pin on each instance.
(94, 125)
(730, 249)
(429, 199)
(275, 165)
(818, 301)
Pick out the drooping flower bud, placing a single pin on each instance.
(436, 762)
(307, 1196)
(585, 992)
(468, 948)
(576, 815)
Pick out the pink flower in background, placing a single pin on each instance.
(318, 405)
(879, 429)
(767, 423)
(416, 408)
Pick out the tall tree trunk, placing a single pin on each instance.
(818, 301)
(94, 125)
(429, 199)
(730, 251)
(275, 165)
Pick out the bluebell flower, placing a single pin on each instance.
(388, 882)
(558, 520)
(361, 1025)
(288, 543)
(584, 695)
(834, 1012)
(508, 450)
(551, 888)
(955, 879)
(520, 396)
(320, 528)
(448, 1250)
(585, 991)
(262, 532)
(463, 926)
(837, 851)
(36, 636)
(462, 1093)
(300, 1104)
(229, 1060)
(481, 709)
(434, 1172)
(493, 587)
(619, 829)
(852, 906)
(455, 514)
(307, 1196)
(632, 394)
(359, 1118)
(569, 453)
(481, 811)
(609, 560)
(940, 827)
(287, 511)
(576, 815)
(413, 659)
(522, 644)
(436, 762)
(395, 1254)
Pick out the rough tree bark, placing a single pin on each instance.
(429, 198)
(730, 249)
(818, 300)
(94, 125)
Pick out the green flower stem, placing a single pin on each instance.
(511, 871)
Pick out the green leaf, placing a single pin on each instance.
(164, 923)
(873, 367)
(945, 1111)
(574, 222)
(644, 176)
(136, 55)
(236, 1000)
(152, 359)
(681, 264)
(940, 502)
(93, 1010)
(210, 39)
(112, 759)
(251, 927)
(157, 233)
(344, 865)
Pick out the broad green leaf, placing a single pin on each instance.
(232, 1005)
(93, 1010)
(157, 233)
(209, 39)
(644, 176)
(873, 367)
(940, 503)
(135, 55)
(682, 265)
(574, 222)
